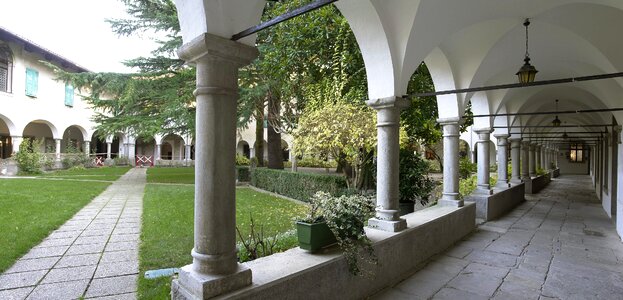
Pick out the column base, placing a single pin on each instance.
(193, 285)
(483, 191)
(452, 203)
(386, 225)
(504, 185)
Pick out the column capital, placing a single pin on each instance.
(449, 121)
(388, 102)
(501, 135)
(502, 139)
(483, 130)
(209, 46)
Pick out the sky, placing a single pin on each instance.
(76, 30)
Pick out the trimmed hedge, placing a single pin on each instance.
(243, 174)
(300, 186)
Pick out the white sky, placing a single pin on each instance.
(75, 30)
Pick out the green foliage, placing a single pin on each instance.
(167, 228)
(242, 160)
(540, 171)
(466, 168)
(323, 133)
(120, 161)
(346, 217)
(74, 157)
(468, 185)
(414, 182)
(433, 166)
(243, 173)
(300, 186)
(32, 208)
(29, 158)
(313, 162)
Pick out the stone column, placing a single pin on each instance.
(532, 159)
(450, 162)
(187, 152)
(87, 148)
(108, 150)
(131, 151)
(484, 160)
(157, 155)
(516, 160)
(537, 157)
(503, 181)
(215, 269)
(525, 160)
(57, 149)
(388, 149)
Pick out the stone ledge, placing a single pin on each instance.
(496, 205)
(536, 184)
(296, 274)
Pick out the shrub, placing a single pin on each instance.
(120, 161)
(300, 186)
(433, 166)
(243, 174)
(466, 168)
(242, 160)
(312, 162)
(414, 182)
(29, 158)
(540, 171)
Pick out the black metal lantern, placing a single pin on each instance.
(556, 122)
(527, 72)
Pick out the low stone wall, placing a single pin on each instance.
(174, 163)
(296, 274)
(490, 207)
(536, 184)
(8, 167)
(556, 173)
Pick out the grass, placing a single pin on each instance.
(167, 232)
(31, 209)
(171, 175)
(101, 173)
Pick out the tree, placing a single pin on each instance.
(339, 129)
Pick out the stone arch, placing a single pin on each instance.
(7, 128)
(99, 143)
(73, 139)
(243, 148)
(285, 148)
(145, 146)
(172, 147)
(44, 130)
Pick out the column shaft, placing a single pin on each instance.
(516, 160)
(484, 160)
(57, 149)
(503, 180)
(532, 159)
(450, 163)
(108, 150)
(525, 160)
(87, 148)
(388, 149)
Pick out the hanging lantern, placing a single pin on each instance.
(527, 72)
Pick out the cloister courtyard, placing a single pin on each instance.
(441, 149)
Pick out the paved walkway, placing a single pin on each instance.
(559, 244)
(94, 254)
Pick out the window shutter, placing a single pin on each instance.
(69, 95)
(32, 78)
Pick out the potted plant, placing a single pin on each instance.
(414, 186)
(345, 217)
(313, 231)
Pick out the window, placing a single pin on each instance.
(576, 153)
(32, 82)
(69, 95)
(6, 68)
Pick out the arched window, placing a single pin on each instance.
(6, 68)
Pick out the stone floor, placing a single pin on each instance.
(559, 244)
(93, 255)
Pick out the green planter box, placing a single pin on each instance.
(314, 236)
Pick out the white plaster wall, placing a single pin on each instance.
(570, 168)
(49, 105)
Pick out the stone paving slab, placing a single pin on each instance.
(559, 244)
(93, 255)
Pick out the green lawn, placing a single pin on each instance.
(30, 209)
(101, 173)
(167, 232)
(171, 175)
